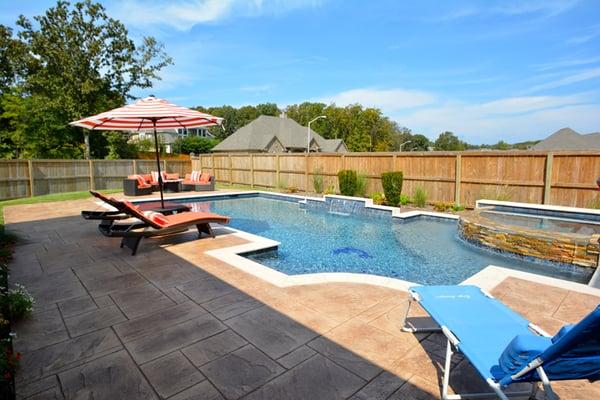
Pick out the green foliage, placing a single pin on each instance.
(361, 186)
(17, 303)
(194, 144)
(347, 182)
(318, 180)
(420, 197)
(595, 203)
(392, 186)
(72, 62)
(378, 198)
(500, 193)
(448, 141)
(404, 199)
(281, 184)
(444, 206)
(457, 207)
(330, 190)
(118, 147)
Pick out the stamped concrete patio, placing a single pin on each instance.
(173, 322)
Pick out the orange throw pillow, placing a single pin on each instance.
(205, 178)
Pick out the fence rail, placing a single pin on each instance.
(560, 178)
(23, 178)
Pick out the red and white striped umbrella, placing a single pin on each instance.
(148, 113)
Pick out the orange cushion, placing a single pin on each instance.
(147, 177)
(204, 178)
(140, 180)
(172, 176)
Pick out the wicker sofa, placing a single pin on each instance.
(197, 185)
(142, 184)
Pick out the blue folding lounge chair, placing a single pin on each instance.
(503, 346)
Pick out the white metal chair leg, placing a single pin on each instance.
(548, 392)
(447, 363)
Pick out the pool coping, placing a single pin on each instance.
(487, 278)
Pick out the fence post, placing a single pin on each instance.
(306, 173)
(548, 177)
(134, 167)
(457, 178)
(30, 167)
(252, 170)
(91, 168)
(212, 165)
(165, 166)
(277, 172)
(343, 162)
(230, 169)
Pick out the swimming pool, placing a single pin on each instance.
(420, 250)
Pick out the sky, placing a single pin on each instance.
(485, 70)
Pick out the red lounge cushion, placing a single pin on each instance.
(144, 186)
(156, 217)
(172, 177)
(205, 178)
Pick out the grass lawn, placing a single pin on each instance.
(45, 199)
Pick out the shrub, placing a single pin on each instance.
(457, 207)
(347, 181)
(17, 303)
(330, 190)
(420, 197)
(361, 186)
(404, 199)
(318, 180)
(378, 198)
(292, 189)
(442, 205)
(194, 144)
(392, 186)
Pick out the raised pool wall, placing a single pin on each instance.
(559, 247)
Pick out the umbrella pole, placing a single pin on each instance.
(160, 180)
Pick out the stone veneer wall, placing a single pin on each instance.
(565, 248)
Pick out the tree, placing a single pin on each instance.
(118, 146)
(418, 143)
(79, 62)
(448, 141)
(194, 144)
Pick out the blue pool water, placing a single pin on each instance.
(424, 251)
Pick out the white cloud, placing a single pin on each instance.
(566, 63)
(512, 119)
(385, 99)
(183, 14)
(548, 8)
(581, 76)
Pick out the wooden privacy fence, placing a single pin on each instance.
(561, 178)
(22, 178)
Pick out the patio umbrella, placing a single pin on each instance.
(150, 113)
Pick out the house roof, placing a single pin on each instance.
(258, 134)
(568, 139)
